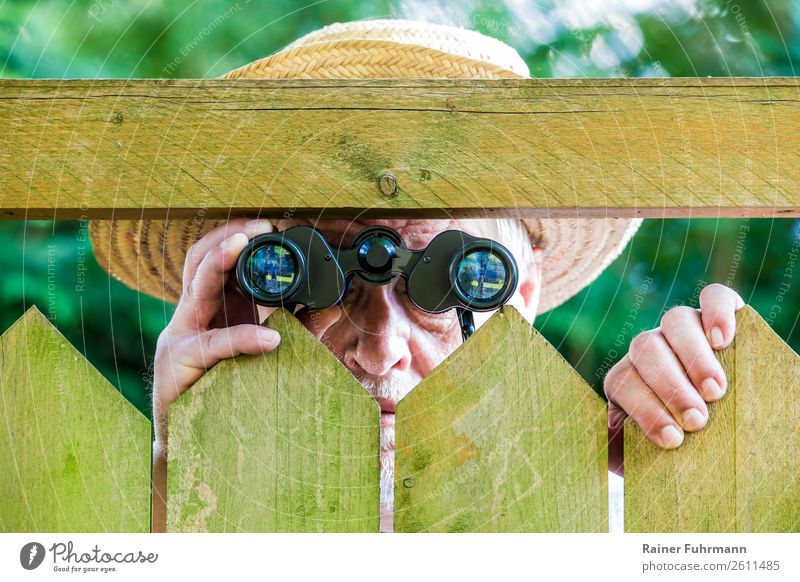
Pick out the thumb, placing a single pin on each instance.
(227, 342)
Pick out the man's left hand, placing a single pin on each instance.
(671, 372)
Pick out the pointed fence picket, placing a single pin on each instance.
(740, 473)
(75, 455)
(275, 443)
(504, 436)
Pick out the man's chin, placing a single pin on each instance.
(387, 392)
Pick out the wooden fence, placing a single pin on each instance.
(504, 435)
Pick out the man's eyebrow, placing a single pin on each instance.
(337, 238)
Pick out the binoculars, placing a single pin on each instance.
(456, 270)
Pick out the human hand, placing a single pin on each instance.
(670, 373)
(212, 321)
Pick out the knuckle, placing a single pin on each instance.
(616, 377)
(190, 291)
(681, 395)
(164, 341)
(642, 343)
(612, 378)
(678, 316)
(193, 254)
(167, 345)
(193, 250)
(206, 342)
(712, 289)
(251, 334)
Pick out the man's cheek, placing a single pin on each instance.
(319, 321)
(429, 350)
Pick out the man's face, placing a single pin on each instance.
(378, 333)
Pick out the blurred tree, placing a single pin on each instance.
(50, 263)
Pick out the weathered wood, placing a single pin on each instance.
(286, 442)
(546, 147)
(504, 436)
(740, 473)
(74, 454)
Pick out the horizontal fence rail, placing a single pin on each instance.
(75, 455)
(740, 473)
(160, 148)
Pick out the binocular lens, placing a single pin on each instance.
(481, 275)
(272, 269)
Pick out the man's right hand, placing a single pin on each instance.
(213, 319)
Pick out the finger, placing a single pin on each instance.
(203, 298)
(215, 236)
(616, 416)
(660, 369)
(214, 345)
(627, 390)
(718, 305)
(683, 330)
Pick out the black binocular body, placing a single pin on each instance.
(456, 270)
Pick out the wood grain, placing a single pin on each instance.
(284, 442)
(74, 453)
(740, 473)
(504, 436)
(532, 147)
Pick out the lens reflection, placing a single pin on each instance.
(481, 275)
(272, 269)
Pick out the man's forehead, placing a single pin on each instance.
(416, 233)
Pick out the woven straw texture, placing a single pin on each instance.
(148, 255)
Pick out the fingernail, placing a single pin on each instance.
(717, 339)
(237, 240)
(693, 419)
(258, 225)
(269, 335)
(711, 390)
(671, 437)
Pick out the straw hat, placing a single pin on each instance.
(148, 255)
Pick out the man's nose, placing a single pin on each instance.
(382, 332)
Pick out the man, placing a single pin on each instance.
(664, 382)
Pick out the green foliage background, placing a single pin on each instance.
(50, 263)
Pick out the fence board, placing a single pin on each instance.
(546, 147)
(74, 453)
(285, 442)
(740, 473)
(503, 436)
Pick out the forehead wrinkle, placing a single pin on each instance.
(417, 233)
